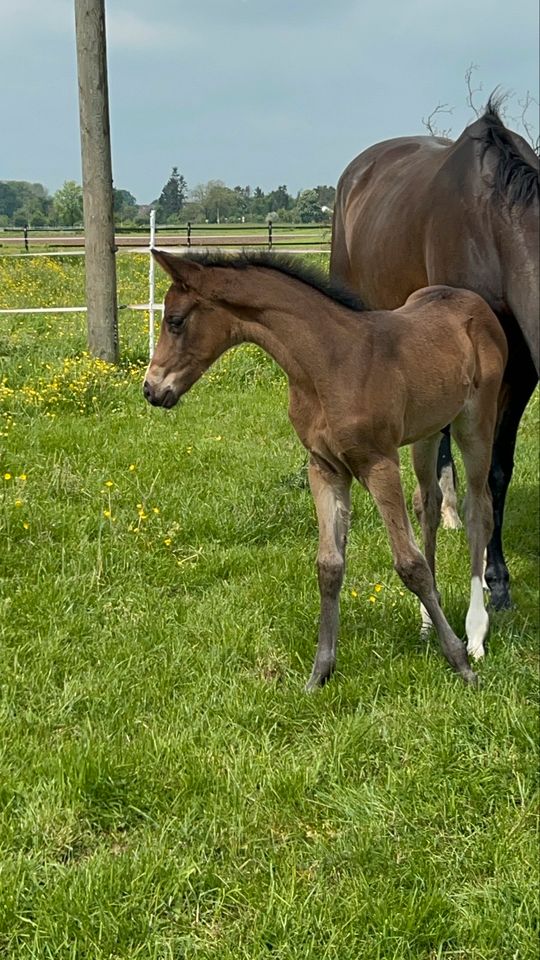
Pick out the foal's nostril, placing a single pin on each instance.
(147, 390)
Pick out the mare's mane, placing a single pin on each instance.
(287, 265)
(516, 180)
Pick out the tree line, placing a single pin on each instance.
(30, 204)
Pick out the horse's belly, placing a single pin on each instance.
(434, 407)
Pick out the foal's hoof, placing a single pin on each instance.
(317, 680)
(476, 652)
(470, 677)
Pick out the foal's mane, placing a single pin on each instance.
(516, 180)
(287, 265)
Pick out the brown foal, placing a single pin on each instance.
(361, 385)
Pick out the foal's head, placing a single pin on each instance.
(195, 331)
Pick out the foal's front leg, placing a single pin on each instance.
(331, 493)
(381, 476)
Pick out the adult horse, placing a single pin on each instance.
(426, 210)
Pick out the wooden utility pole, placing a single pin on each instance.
(97, 179)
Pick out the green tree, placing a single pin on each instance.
(243, 198)
(171, 198)
(259, 204)
(125, 205)
(68, 204)
(326, 195)
(22, 202)
(222, 202)
(307, 209)
(279, 199)
(9, 199)
(215, 202)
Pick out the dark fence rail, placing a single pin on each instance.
(187, 234)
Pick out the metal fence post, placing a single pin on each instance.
(269, 234)
(189, 233)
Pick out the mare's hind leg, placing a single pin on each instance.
(331, 493)
(381, 476)
(473, 430)
(427, 505)
(446, 472)
(519, 382)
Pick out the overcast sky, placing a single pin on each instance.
(259, 92)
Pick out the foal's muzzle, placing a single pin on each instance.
(166, 399)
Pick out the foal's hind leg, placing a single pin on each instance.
(381, 476)
(331, 493)
(473, 430)
(427, 505)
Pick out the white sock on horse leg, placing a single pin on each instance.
(427, 623)
(477, 620)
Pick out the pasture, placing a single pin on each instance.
(167, 789)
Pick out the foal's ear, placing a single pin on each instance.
(179, 267)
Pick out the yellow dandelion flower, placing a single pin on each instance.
(7, 476)
(155, 509)
(167, 541)
(26, 525)
(107, 513)
(18, 503)
(378, 587)
(109, 483)
(354, 593)
(372, 599)
(22, 476)
(132, 467)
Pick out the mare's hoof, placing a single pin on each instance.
(500, 598)
(470, 678)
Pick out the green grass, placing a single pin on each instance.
(167, 790)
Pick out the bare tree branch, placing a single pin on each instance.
(525, 103)
(471, 91)
(430, 124)
(500, 100)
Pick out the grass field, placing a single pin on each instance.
(167, 790)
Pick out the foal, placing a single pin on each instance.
(361, 385)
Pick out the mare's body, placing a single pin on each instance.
(355, 398)
(423, 210)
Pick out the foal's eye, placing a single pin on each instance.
(175, 323)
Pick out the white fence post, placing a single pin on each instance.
(151, 283)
